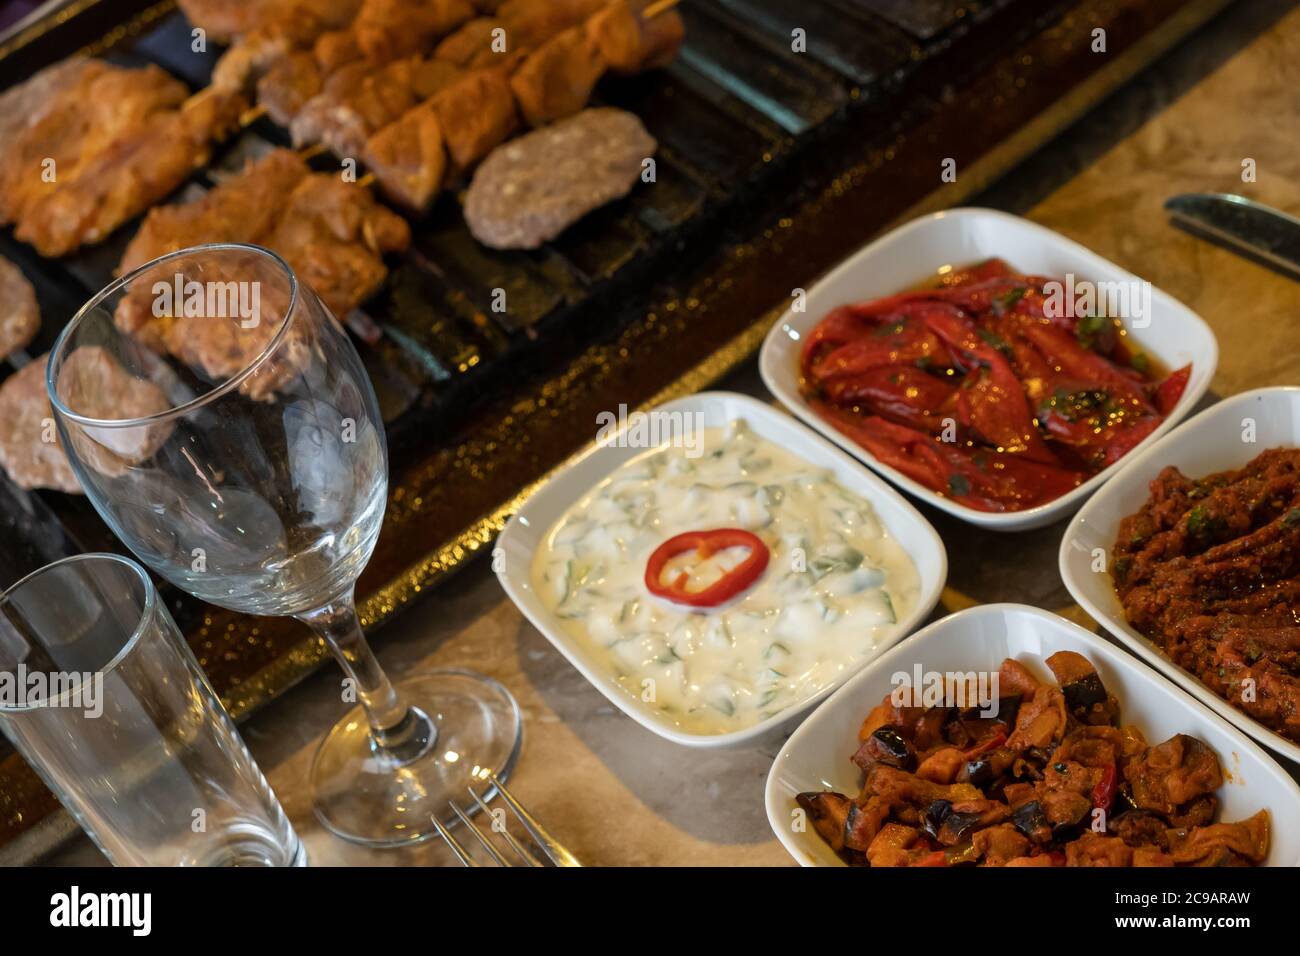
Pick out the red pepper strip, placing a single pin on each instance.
(1103, 794)
(995, 407)
(993, 743)
(899, 393)
(1061, 350)
(1006, 482)
(999, 416)
(705, 544)
(1124, 440)
(994, 268)
(912, 342)
(1171, 389)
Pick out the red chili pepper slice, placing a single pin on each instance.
(705, 544)
(1103, 794)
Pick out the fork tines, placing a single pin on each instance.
(550, 847)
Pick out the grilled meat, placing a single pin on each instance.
(630, 43)
(20, 316)
(557, 79)
(225, 20)
(532, 189)
(389, 29)
(128, 175)
(333, 234)
(289, 85)
(29, 444)
(107, 103)
(354, 105)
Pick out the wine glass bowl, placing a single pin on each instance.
(223, 425)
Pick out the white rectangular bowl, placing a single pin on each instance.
(816, 757)
(915, 252)
(1210, 442)
(527, 530)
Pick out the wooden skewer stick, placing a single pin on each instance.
(662, 6)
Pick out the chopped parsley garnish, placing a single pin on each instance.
(1007, 301)
(959, 485)
(1089, 328)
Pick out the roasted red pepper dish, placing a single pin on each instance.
(1052, 780)
(979, 390)
(1209, 569)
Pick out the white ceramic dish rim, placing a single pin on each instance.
(777, 379)
(1147, 462)
(1114, 657)
(754, 412)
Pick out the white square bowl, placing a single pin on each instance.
(526, 531)
(915, 252)
(1210, 442)
(816, 757)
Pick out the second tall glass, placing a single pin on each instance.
(221, 422)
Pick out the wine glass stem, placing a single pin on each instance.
(394, 726)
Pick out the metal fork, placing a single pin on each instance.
(551, 848)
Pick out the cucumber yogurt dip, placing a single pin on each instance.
(835, 585)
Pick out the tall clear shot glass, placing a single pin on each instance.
(103, 697)
(221, 422)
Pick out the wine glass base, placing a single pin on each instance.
(364, 795)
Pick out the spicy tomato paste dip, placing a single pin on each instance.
(1209, 570)
(983, 389)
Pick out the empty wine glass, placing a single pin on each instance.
(222, 424)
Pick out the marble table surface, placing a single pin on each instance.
(619, 795)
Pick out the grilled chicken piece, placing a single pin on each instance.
(245, 208)
(471, 45)
(477, 114)
(26, 421)
(289, 85)
(224, 20)
(557, 79)
(530, 23)
(334, 234)
(20, 316)
(409, 159)
(136, 170)
(336, 49)
(631, 44)
(253, 55)
(27, 104)
(47, 155)
(354, 105)
(389, 29)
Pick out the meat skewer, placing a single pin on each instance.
(554, 81)
(107, 144)
(333, 234)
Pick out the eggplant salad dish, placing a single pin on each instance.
(1052, 778)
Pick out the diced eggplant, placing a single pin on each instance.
(978, 772)
(933, 816)
(1030, 820)
(957, 826)
(829, 812)
(1084, 693)
(887, 746)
